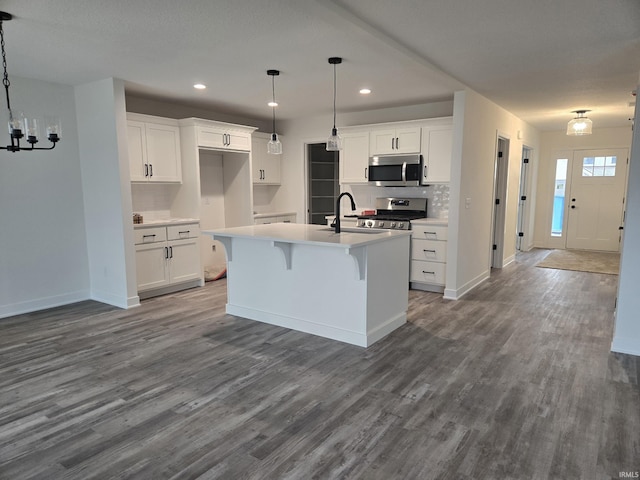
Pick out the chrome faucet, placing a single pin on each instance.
(336, 224)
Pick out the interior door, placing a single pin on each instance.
(596, 199)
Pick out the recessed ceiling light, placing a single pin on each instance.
(272, 104)
(365, 91)
(199, 86)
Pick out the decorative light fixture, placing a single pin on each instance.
(19, 126)
(334, 142)
(580, 125)
(274, 147)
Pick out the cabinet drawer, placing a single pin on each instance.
(432, 250)
(428, 272)
(179, 232)
(149, 235)
(428, 232)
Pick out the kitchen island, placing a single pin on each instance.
(350, 286)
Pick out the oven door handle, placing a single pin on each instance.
(404, 172)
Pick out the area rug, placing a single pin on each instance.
(582, 261)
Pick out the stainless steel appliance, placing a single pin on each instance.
(394, 213)
(395, 170)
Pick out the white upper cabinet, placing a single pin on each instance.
(221, 138)
(265, 168)
(395, 140)
(154, 149)
(354, 157)
(437, 144)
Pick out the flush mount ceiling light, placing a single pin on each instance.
(580, 125)
(334, 142)
(199, 86)
(274, 147)
(365, 91)
(19, 126)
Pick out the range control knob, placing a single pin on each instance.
(401, 225)
(381, 225)
(393, 224)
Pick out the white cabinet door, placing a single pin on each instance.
(437, 146)
(354, 157)
(395, 140)
(154, 152)
(223, 139)
(137, 151)
(151, 265)
(184, 258)
(163, 153)
(265, 168)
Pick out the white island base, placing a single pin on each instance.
(351, 287)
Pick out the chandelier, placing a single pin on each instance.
(19, 125)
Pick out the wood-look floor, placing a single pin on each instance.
(514, 381)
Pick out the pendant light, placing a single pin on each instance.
(19, 126)
(274, 147)
(580, 125)
(334, 142)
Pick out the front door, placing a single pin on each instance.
(596, 200)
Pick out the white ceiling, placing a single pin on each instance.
(539, 59)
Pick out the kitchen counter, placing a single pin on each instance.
(165, 222)
(431, 221)
(351, 286)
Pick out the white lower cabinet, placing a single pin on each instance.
(428, 257)
(167, 255)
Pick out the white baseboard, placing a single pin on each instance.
(112, 299)
(630, 346)
(43, 303)
(509, 260)
(326, 331)
(456, 294)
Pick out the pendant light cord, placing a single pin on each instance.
(273, 97)
(5, 79)
(334, 96)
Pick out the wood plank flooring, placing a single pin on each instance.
(514, 381)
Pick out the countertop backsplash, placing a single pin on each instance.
(153, 202)
(437, 196)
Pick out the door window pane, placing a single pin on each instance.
(557, 217)
(599, 166)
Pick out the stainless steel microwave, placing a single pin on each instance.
(395, 170)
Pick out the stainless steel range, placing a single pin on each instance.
(395, 213)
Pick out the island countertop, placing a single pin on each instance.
(310, 234)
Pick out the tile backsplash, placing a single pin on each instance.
(437, 196)
(153, 202)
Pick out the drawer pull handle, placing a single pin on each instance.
(432, 251)
(429, 273)
(148, 236)
(184, 232)
(430, 233)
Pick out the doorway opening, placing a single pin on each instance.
(501, 170)
(323, 182)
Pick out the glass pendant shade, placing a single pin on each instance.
(580, 125)
(334, 142)
(274, 147)
(16, 124)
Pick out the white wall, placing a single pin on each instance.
(102, 131)
(477, 123)
(555, 145)
(43, 251)
(626, 337)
